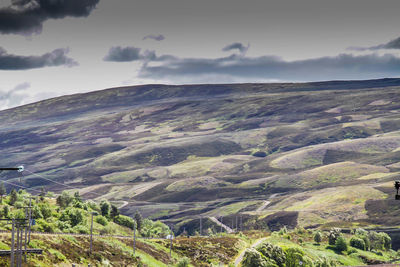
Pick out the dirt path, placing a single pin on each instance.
(240, 257)
(123, 204)
(227, 228)
(266, 203)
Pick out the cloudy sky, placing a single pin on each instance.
(56, 47)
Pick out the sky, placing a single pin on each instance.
(51, 48)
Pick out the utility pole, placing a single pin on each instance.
(221, 224)
(134, 240)
(201, 228)
(236, 223)
(12, 243)
(91, 235)
(241, 222)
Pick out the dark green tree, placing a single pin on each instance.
(139, 220)
(6, 211)
(318, 237)
(293, 257)
(42, 193)
(341, 244)
(3, 191)
(105, 208)
(77, 197)
(64, 199)
(13, 197)
(114, 212)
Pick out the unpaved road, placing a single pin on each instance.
(240, 257)
(227, 228)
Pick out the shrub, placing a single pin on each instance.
(324, 262)
(387, 241)
(184, 262)
(105, 208)
(293, 257)
(73, 215)
(81, 229)
(275, 253)
(351, 251)
(318, 237)
(340, 244)
(108, 230)
(357, 243)
(253, 258)
(334, 233)
(379, 240)
(45, 210)
(283, 230)
(64, 199)
(101, 220)
(63, 226)
(125, 221)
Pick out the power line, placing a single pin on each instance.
(23, 187)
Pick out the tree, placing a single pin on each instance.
(253, 258)
(13, 197)
(334, 233)
(77, 197)
(356, 242)
(341, 244)
(6, 211)
(272, 252)
(114, 212)
(42, 193)
(293, 257)
(139, 220)
(64, 199)
(2, 191)
(318, 237)
(105, 208)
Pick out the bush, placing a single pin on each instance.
(81, 229)
(125, 221)
(324, 262)
(64, 199)
(318, 237)
(101, 220)
(108, 230)
(341, 244)
(184, 262)
(275, 253)
(357, 243)
(293, 257)
(334, 233)
(283, 230)
(379, 240)
(45, 210)
(105, 208)
(253, 258)
(73, 215)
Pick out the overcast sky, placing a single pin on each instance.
(55, 47)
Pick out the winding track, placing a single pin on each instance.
(240, 257)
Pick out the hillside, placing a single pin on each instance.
(326, 152)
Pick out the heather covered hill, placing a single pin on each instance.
(326, 152)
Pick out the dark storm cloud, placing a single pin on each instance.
(234, 67)
(393, 44)
(57, 57)
(239, 46)
(27, 16)
(127, 54)
(159, 37)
